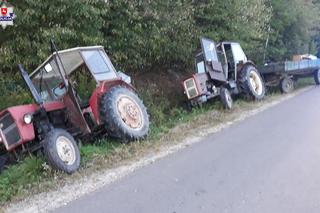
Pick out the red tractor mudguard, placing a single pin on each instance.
(104, 87)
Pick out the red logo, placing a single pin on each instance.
(4, 11)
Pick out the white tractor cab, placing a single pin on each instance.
(223, 70)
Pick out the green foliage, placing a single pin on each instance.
(70, 23)
(12, 92)
(18, 179)
(149, 34)
(293, 27)
(145, 34)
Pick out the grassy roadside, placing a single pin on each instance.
(33, 175)
(169, 126)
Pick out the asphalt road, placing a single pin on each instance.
(268, 163)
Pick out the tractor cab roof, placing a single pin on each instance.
(71, 59)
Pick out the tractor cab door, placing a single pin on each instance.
(235, 56)
(36, 96)
(212, 64)
(238, 53)
(200, 64)
(70, 100)
(74, 110)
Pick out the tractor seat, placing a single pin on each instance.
(84, 104)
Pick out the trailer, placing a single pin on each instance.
(285, 74)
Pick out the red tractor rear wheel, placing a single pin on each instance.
(124, 114)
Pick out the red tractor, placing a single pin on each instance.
(223, 70)
(78, 94)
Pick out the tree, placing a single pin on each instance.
(70, 23)
(149, 34)
(293, 28)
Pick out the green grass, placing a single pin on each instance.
(20, 178)
(303, 82)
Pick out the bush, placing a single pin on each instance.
(70, 23)
(13, 92)
(142, 35)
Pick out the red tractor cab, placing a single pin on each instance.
(78, 94)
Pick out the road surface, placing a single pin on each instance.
(267, 163)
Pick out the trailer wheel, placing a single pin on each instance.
(251, 83)
(61, 151)
(124, 115)
(286, 85)
(317, 77)
(226, 98)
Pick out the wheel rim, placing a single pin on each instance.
(288, 84)
(256, 82)
(130, 112)
(66, 150)
(229, 99)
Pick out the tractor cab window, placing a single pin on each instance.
(229, 55)
(200, 67)
(99, 64)
(238, 54)
(200, 64)
(209, 49)
(49, 83)
(83, 83)
(81, 67)
(222, 60)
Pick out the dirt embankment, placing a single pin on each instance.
(161, 85)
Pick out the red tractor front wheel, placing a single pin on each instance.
(61, 151)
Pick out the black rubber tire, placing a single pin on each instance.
(114, 124)
(51, 153)
(245, 86)
(226, 99)
(186, 105)
(286, 85)
(316, 76)
(295, 81)
(3, 161)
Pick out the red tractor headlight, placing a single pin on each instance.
(191, 88)
(27, 118)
